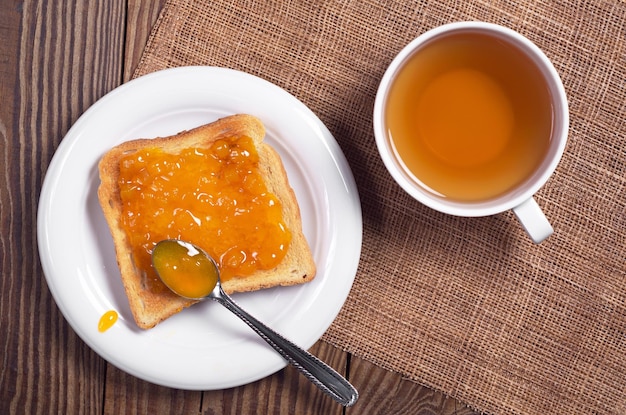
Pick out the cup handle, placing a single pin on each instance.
(533, 220)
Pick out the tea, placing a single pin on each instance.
(469, 116)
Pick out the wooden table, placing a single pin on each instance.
(56, 59)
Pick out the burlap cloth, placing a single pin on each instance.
(467, 306)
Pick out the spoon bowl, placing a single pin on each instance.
(185, 269)
(190, 272)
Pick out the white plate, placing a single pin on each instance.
(204, 347)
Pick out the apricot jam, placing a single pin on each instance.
(213, 197)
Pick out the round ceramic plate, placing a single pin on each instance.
(204, 347)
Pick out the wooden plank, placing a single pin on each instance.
(385, 392)
(49, 76)
(14, 382)
(126, 394)
(140, 19)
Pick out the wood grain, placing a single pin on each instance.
(57, 59)
(141, 16)
(49, 77)
(126, 394)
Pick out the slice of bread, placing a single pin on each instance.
(150, 307)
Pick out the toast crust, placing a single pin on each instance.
(150, 307)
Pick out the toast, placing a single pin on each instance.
(151, 306)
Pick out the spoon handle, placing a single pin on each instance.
(318, 372)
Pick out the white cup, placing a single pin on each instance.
(519, 199)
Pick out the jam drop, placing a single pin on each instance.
(107, 321)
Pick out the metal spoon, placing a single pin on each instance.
(191, 273)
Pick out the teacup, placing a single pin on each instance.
(471, 119)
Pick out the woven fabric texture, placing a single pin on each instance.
(467, 306)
